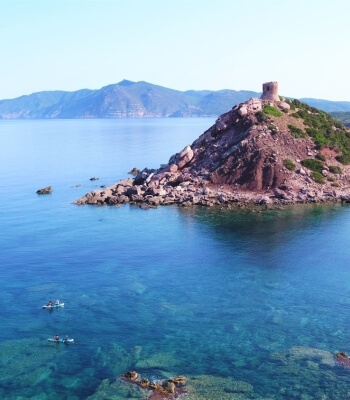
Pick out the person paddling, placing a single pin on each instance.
(56, 338)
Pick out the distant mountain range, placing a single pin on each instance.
(128, 99)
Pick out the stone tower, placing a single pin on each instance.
(270, 91)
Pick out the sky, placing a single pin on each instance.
(179, 44)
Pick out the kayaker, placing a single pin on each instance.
(56, 337)
(65, 338)
(57, 302)
(50, 303)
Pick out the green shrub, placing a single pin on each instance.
(319, 138)
(289, 164)
(314, 165)
(330, 179)
(335, 169)
(321, 157)
(296, 132)
(261, 117)
(344, 159)
(269, 110)
(335, 184)
(297, 103)
(321, 127)
(317, 177)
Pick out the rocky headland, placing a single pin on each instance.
(265, 151)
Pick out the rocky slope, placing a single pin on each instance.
(262, 151)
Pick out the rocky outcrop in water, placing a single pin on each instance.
(169, 389)
(255, 153)
(45, 190)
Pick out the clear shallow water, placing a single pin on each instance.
(222, 296)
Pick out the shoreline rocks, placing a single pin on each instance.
(187, 190)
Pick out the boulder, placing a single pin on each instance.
(280, 194)
(142, 176)
(172, 168)
(46, 190)
(133, 190)
(134, 171)
(179, 380)
(264, 200)
(130, 375)
(120, 189)
(144, 383)
(137, 198)
(243, 111)
(283, 105)
(112, 200)
(184, 157)
(123, 199)
(169, 387)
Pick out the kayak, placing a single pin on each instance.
(67, 341)
(54, 306)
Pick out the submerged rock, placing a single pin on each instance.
(25, 359)
(208, 387)
(298, 353)
(343, 359)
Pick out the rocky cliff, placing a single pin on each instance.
(262, 151)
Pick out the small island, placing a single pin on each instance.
(265, 151)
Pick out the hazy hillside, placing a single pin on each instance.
(327, 105)
(128, 99)
(342, 116)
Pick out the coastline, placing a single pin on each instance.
(145, 196)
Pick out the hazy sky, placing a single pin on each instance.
(179, 44)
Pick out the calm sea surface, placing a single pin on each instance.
(246, 305)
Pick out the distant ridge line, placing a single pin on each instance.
(128, 99)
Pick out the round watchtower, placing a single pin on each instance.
(270, 91)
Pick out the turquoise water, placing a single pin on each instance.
(246, 305)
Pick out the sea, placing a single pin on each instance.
(246, 304)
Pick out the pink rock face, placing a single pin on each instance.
(173, 168)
